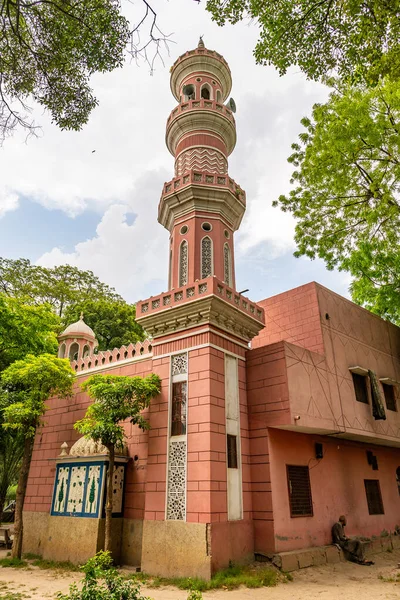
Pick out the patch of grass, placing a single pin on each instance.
(55, 565)
(228, 579)
(31, 556)
(13, 596)
(17, 563)
(395, 579)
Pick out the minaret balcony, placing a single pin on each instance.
(201, 115)
(200, 190)
(204, 301)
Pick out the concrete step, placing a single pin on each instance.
(322, 555)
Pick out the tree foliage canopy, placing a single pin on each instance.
(24, 388)
(50, 48)
(113, 321)
(116, 398)
(25, 329)
(60, 286)
(347, 191)
(27, 384)
(355, 38)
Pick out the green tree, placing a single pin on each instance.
(50, 49)
(357, 39)
(112, 320)
(346, 195)
(11, 451)
(25, 386)
(116, 398)
(25, 329)
(60, 286)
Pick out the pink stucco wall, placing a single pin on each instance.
(58, 428)
(293, 316)
(337, 487)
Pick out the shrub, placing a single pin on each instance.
(102, 582)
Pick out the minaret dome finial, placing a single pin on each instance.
(201, 43)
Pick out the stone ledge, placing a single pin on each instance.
(322, 555)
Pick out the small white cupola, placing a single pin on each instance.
(77, 341)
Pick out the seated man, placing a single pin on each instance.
(353, 549)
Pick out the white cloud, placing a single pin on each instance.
(8, 201)
(130, 256)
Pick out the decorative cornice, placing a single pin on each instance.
(206, 301)
(211, 310)
(208, 192)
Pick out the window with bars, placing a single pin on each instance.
(299, 491)
(390, 396)
(374, 497)
(231, 442)
(360, 387)
(178, 413)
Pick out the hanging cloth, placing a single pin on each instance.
(378, 410)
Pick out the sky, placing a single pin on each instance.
(60, 202)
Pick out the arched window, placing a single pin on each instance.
(398, 479)
(206, 257)
(227, 265)
(61, 351)
(189, 92)
(205, 92)
(183, 263)
(86, 351)
(74, 351)
(219, 96)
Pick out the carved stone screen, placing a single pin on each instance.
(176, 502)
(177, 444)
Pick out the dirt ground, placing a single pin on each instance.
(344, 581)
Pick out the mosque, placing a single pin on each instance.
(274, 417)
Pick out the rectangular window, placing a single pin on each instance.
(231, 442)
(299, 491)
(360, 387)
(178, 415)
(390, 397)
(374, 497)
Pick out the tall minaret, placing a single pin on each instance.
(198, 482)
(202, 206)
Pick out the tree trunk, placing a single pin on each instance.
(109, 502)
(20, 499)
(2, 503)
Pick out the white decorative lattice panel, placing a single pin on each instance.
(176, 500)
(179, 364)
(206, 257)
(183, 264)
(118, 488)
(227, 265)
(93, 489)
(60, 495)
(76, 489)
